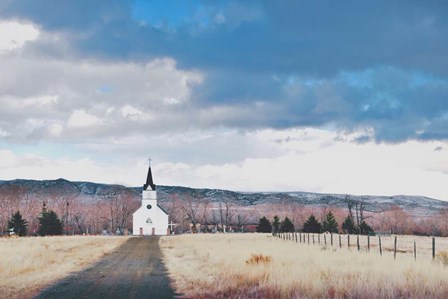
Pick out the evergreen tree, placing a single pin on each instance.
(366, 229)
(18, 224)
(264, 226)
(276, 225)
(330, 224)
(287, 226)
(312, 225)
(348, 226)
(49, 224)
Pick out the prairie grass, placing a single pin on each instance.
(224, 266)
(28, 264)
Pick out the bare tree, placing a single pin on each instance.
(226, 212)
(395, 220)
(242, 220)
(194, 210)
(350, 203)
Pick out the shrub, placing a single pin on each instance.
(256, 259)
(442, 257)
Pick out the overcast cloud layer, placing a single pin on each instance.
(212, 90)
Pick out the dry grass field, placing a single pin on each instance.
(28, 264)
(262, 266)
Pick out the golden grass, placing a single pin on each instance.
(28, 264)
(215, 266)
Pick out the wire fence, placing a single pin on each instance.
(419, 247)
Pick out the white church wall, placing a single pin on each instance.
(158, 219)
(149, 194)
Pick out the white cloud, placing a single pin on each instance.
(7, 159)
(40, 102)
(130, 112)
(4, 133)
(55, 130)
(81, 119)
(155, 93)
(220, 18)
(14, 35)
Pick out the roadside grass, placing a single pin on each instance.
(28, 264)
(262, 266)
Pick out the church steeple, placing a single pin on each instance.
(149, 181)
(150, 218)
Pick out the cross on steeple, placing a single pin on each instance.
(149, 161)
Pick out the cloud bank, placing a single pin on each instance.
(197, 83)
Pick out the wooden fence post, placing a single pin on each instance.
(357, 242)
(318, 238)
(331, 236)
(296, 237)
(433, 248)
(313, 239)
(348, 241)
(308, 238)
(325, 239)
(368, 243)
(415, 251)
(300, 236)
(340, 241)
(395, 247)
(379, 243)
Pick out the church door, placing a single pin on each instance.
(141, 231)
(153, 231)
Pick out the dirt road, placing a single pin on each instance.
(134, 270)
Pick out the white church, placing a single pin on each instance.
(150, 219)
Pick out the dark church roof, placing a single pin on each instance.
(149, 181)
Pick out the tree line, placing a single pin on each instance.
(111, 211)
(312, 225)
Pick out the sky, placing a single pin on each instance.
(345, 97)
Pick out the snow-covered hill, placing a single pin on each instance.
(88, 192)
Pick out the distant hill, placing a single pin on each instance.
(91, 193)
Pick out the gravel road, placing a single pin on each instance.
(133, 270)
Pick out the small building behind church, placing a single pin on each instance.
(150, 219)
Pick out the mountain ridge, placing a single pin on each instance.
(92, 192)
